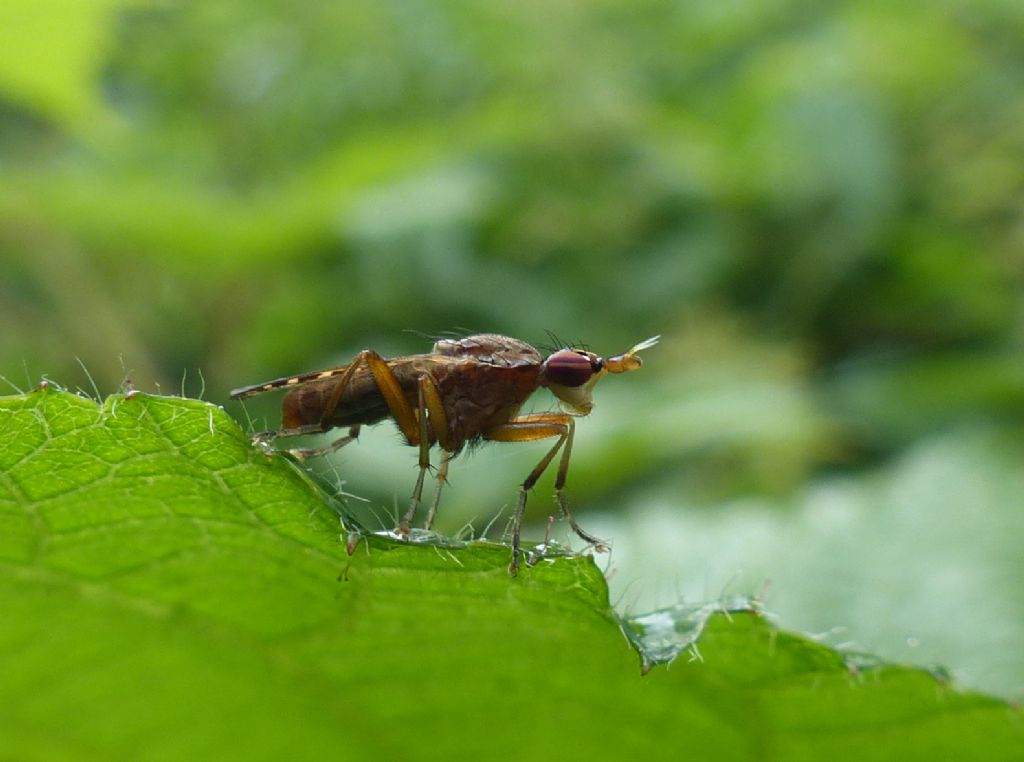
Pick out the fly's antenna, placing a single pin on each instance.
(629, 361)
(645, 344)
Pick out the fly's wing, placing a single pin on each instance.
(286, 381)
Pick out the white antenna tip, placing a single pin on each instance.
(645, 344)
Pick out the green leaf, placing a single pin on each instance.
(169, 591)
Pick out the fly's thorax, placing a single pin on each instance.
(491, 349)
(477, 396)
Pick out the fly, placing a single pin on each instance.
(465, 391)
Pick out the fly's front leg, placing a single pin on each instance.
(563, 503)
(529, 428)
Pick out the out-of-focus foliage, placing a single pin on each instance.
(819, 206)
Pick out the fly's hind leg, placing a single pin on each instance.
(412, 426)
(368, 358)
(314, 452)
(527, 429)
(268, 436)
(302, 453)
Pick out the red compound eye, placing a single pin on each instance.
(568, 368)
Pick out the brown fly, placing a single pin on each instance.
(464, 391)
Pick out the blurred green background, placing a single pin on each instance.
(820, 206)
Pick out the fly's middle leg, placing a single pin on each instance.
(442, 479)
(424, 464)
(432, 422)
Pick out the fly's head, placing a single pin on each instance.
(572, 373)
